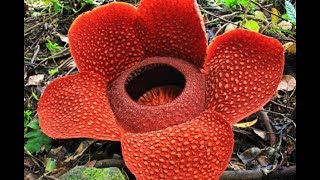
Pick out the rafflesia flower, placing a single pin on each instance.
(147, 78)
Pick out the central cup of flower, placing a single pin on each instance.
(156, 93)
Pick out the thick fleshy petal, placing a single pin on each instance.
(244, 70)
(76, 106)
(198, 149)
(173, 28)
(103, 40)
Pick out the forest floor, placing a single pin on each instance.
(264, 142)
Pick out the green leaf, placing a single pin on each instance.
(50, 165)
(47, 2)
(260, 15)
(27, 117)
(252, 25)
(231, 3)
(245, 3)
(53, 71)
(34, 124)
(34, 133)
(88, 1)
(53, 47)
(291, 11)
(25, 123)
(57, 7)
(35, 96)
(277, 29)
(37, 140)
(285, 16)
(274, 18)
(234, 3)
(27, 113)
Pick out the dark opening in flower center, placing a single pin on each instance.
(155, 84)
(157, 93)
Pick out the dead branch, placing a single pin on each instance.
(109, 163)
(257, 174)
(266, 121)
(276, 103)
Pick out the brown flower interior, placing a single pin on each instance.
(155, 84)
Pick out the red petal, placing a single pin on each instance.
(76, 106)
(103, 40)
(198, 149)
(244, 70)
(173, 28)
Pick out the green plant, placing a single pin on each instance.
(56, 4)
(86, 2)
(252, 25)
(35, 138)
(285, 16)
(27, 117)
(291, 11)
(234, 3)
(34, 95)
(277, 29)
(53, 71)
(53, 47)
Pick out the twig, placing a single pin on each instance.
(47, 177)
(219, 17)
(35, 53)
(266, 121)
(288, 107)
(245, 14)
(279, 36)
(109, 163)
(73, 68)
(275, 113)
(218, 31)
(62, 64)
(38, 24)
(266, 27)
(248, 135)
(261, 7)
(257, 19)
(60, 54)
(33, 157)
(257, 174)
(27, 63)
(223, 17)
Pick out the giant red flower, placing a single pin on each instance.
(147, 78)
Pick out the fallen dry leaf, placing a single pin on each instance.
(55, 151)
(237, 165)
(285, 25)
(64, 38)
(290, 47)
(84, 145)
(288, 83)
(246, 124)
(249, 154)
(261, 134)
(35, 80)
(263, 160)
(290, 148)
(91, 163)
(274, 18)
(230, 27)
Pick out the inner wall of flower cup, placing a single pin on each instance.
(156, 77)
